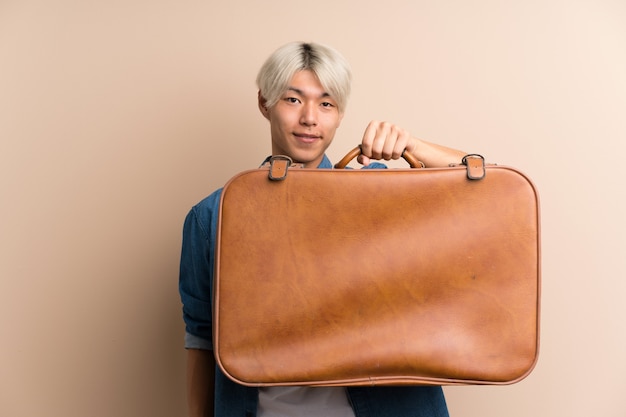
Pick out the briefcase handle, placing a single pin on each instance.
(413, 161)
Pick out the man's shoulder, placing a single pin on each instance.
(211, 200)
(206, 207)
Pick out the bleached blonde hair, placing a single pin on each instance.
(330, 67)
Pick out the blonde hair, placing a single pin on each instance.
(330, 67)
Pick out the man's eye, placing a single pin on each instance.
(327, 104)
(291, 100)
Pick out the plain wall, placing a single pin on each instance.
(116, 117)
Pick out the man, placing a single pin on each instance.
(303, 91)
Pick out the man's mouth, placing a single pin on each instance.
(306, 138)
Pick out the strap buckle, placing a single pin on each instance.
(278, 167)
(475, 164)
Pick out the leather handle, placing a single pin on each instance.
(412, 161)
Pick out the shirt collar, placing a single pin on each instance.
(325, 163)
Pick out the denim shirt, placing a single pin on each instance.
(234, 400)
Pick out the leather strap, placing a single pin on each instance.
(413, 162)
(475, 166)
(278, 167)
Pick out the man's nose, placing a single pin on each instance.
(309, 115)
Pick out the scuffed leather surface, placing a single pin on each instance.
(375, 277)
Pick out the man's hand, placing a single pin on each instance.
(384, 140)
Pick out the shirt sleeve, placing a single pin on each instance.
(195, 342)
(196, 268)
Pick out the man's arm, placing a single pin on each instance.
(200, 382)
(433, 155)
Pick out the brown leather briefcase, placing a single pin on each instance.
(377, 277)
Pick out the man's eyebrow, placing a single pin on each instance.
(300, 92)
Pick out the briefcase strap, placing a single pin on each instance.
(474, 163)
(413, 162)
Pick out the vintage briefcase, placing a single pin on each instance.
(377, 277)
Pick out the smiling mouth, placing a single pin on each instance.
(306, 137)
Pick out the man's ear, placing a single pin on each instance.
(263, 106)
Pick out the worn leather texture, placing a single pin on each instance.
(377, 277)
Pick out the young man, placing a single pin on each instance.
(303, 90)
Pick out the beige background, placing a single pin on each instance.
(116, 117)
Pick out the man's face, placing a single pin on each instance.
(303, 122)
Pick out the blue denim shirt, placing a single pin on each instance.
(234, 400)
